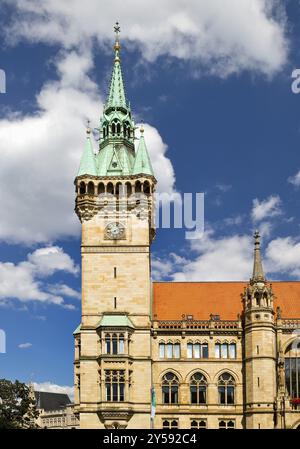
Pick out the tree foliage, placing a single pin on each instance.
(17, 405)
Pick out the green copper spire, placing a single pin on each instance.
(116, 96)
(142, 164)
(88, 162)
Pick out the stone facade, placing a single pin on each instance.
(216, 372)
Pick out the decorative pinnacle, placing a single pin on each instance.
(258, 272)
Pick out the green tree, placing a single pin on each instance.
(17, 405)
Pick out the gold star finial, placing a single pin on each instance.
(142, 127)
(88, 129)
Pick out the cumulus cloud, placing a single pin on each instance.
(283, 256)
(222, 37)
(295, 180)
(41, 153)
(218, 259)
(24, 345)
(54, 388)
(22, 281)
(270, 207)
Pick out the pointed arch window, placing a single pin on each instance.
(226, 389)
(198, 388)
(292, 370)
(170, 387)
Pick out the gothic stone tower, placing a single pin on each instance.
(114, 203)
(260, 348)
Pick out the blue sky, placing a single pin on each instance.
(213, 86)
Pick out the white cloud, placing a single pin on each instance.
(295, 180)
(64, 290)
(218, 259)
(53, 388)
(267, 208)
(22, 281)
(50, 259)
(283, 256)
(41, 154)
(220, 36)
(24, 345)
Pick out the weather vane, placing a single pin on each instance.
(117, 28)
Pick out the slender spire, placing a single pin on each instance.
(88, 162)
(116, 96)
(142, 164)
(258, 272)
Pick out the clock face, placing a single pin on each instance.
(115, 230)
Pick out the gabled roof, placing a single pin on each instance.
(172, 300)
(51, 401)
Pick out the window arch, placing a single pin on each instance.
(226, 389)
(292, 369)
(101, 188)
(170, 387)
(91, 188)
(198, 388)
(82, 188)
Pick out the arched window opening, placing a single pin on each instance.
(257, 299)
(170, 386)
(113, 128)
(198, 386)
(138, 187)
(292, 370)
(226, 389)
(170, 424)
(110, 188)
(128, 189)
(101, 188)
(146, 188)
(91, 188)
(118, 128)
(82, 188)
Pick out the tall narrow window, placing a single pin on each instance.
(115, 302)
(162, 350)
(292, 370)
(115, 272)
(115, 344)
(177, 351)
(115, 385)
(170, 385)
(226, 386)
(198, 386)
(121, 344)
(217, 350)
(232, 351)
(190, 350)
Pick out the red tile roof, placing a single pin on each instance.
(171, 300)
